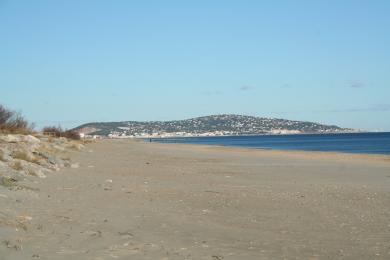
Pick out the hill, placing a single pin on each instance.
(207, 126)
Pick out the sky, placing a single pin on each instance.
(72, 62)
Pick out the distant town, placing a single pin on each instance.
(215, 125)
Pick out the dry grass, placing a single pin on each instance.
(76, 146)
(13, 184)
(17, 166)
(13, 223)
(25, 156)
(88, 141)
(8, 181)
(65, 157)
(2, 156)
(47, 149)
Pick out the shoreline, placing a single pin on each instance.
(299, 154)
(331, 145)
(248, 135)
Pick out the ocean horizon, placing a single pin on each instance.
(358, 143)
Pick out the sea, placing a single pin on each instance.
(360, 143)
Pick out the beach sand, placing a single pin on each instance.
(136, 200)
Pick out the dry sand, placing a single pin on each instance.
(134, 200)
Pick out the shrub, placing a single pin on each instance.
(13, 122)
(52, 131)
(59, 132)
(72, 135)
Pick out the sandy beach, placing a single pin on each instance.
(137, 200)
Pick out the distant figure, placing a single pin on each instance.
(150, 140)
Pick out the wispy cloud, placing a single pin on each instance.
(356, 84)
(246, 88)
(383, 107)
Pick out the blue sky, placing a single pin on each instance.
(72, 62)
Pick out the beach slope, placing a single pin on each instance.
(136, 200)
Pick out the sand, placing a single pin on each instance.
(135, 200)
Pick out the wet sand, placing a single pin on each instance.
(135, 200)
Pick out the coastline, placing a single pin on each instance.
(376, 144)
(298, 154)
(131, 199)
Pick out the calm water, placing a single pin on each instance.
(372, 143)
